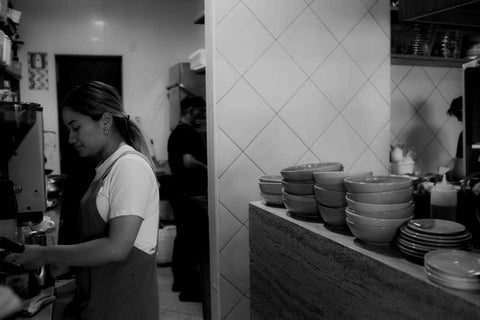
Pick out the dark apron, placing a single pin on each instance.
(118, 290)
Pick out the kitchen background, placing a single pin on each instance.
(292, 81)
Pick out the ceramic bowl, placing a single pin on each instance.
(377, 222)
(270, 187)
(394, 196)
(372, 234)
(298, 187)
(332, 216)
(299, 198)
(376, 183)
(301, 207)
(376, 207)
(271, 178)
(330, 198)
(393, 214)
(334, 180)
(304, 172)
(274, 199)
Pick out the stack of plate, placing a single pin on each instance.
(453, 268)
(419, 236)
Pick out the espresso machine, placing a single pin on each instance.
(22, 176)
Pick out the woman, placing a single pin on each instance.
(118, 214)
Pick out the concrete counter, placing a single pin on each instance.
(307, 270)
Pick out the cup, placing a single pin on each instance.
(44, 225)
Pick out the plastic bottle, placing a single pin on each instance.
(443, 201)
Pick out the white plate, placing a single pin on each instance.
(436, 226)
(452, 284)
(466, 236)
(455, 263)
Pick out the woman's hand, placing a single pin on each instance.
(31, 258)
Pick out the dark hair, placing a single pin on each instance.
(191, 101)
(456, 108)
(94, 98)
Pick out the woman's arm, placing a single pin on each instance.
(116, 246)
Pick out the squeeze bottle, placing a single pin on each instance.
(443, 201)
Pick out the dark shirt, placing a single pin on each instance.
(459, 153)
(184, 139)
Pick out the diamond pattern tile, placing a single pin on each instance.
(276, 147)
(235, 259)
(358, 113)
(308, 113)
(226, 76)
(339, 78)
(230, 297)
(416, 86)
(436, 74)
(442, 157)
(228, 226)
(401, 111)
(241, 310)
(378, 11)
(239, 45)
(360, 45)
(275, 76)
(340, 16)
(308, 41)
(282, 77)
(399, 72)
(434, 111)
(231, 152)
(367, 161)
(450, 86)
(378, 145)
(222, 8)
(378, 79)
(242, 114)
(434, 84)
(276, 15)
(411, 133)
(339, 143)
(242, 175)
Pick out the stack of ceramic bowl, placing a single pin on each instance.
(271, 189)
(298, 192)
(420, 236)
(330, 191)
(453, 268)
(377, 206)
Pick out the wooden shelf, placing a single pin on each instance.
(200, 18)
(414, 60)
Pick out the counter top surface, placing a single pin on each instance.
(387, 255)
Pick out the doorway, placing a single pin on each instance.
(72, 70)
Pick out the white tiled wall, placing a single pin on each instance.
(421, 97)
(296, 81)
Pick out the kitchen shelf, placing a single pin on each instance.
(429, 61)
(200, 18)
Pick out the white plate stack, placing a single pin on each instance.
(453, 268)
(420, 236)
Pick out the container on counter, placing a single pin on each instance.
(443, 201)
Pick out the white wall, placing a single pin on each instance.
(150, 35)
(296, 81)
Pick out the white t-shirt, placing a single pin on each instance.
(130, 189)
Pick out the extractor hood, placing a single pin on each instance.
(451, 12)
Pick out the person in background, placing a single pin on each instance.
(187, 158)
(458, 170)
(119, 213)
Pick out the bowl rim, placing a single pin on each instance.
(411, 202)
(311, 166)
(354, 214)
(328, 190)
(374, 183)
(382, 192)
(270, 178)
